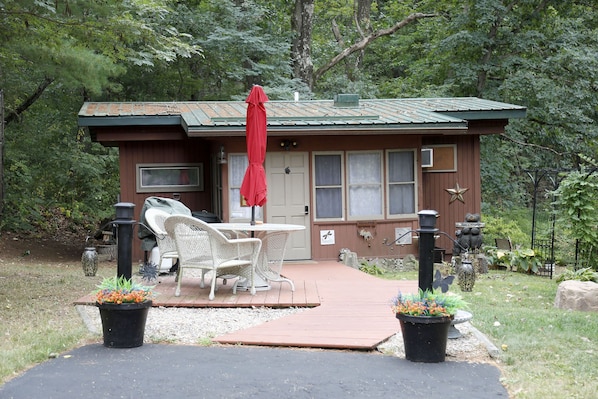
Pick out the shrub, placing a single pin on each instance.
(585, 274)
(501, 227)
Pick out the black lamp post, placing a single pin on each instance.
(124, 223)
(427, 230)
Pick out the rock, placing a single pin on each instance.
(350, 259)
(577, 295)
(410, 262)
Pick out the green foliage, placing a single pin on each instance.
(59, 54)
(585, 274)
(54, 173)
(577, 200)
(52, 56)
(370, 268)
(523, 260)
(507, 226)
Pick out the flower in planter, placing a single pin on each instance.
(118, 290)
(428, 303)
(437, 302)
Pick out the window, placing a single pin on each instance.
(364, 184)
(355, 180)
(401, 182)
(237, 165)
(169, 177)
(328, 186)
(444, 158)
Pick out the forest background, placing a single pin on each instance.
(54, 55)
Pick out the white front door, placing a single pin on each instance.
(288, 198)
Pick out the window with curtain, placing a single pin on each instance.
(365, 187)
(328, 179)
(364, 181)
(237, 165)
(401, 182)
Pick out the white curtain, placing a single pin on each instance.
(365, 184)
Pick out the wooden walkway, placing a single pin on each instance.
(349, 309)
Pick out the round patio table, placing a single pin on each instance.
(274, 238)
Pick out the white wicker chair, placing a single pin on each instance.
(201, 246)
(155, 218)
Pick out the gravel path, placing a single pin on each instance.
(197, 326)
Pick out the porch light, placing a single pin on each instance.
(222, 156)
(288, 144)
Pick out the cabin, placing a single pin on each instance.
(355, 172)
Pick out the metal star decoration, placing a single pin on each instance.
(456, 193)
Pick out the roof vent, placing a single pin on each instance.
(346, 100)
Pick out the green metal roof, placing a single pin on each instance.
(213, 118)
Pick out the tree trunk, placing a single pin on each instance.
(364, 8)
(302, 24)
(1, 153)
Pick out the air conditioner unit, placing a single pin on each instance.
(427, 157)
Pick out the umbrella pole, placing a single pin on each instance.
(252, 219)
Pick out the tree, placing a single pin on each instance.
(577, 198)
(80, 44)
(53, 54)
(367, 40)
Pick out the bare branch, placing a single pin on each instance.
(522, 143)
(366, 41)
(14, 115)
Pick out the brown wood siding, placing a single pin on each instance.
(347, 236)
(431, 189)
(467, 175)
(184, 151)
(114, 135)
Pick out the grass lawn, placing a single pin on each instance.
(38, 319)
(546, 352)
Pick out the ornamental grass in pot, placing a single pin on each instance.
(123, 306)
(425, 319)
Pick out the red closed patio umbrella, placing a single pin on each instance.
(254, 187)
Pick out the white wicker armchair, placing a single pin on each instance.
(201, 246)
(155, 218)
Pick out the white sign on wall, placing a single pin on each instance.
(403, 233)
(326, 237)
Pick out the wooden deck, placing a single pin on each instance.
(349, 309)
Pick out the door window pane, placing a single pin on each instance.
(237, 165)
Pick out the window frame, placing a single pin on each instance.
(197, 185)
(341, 155)
(444, 158)
(388, 183)
(381, 185)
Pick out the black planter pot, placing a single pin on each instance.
(123, 325)
(425, 337)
